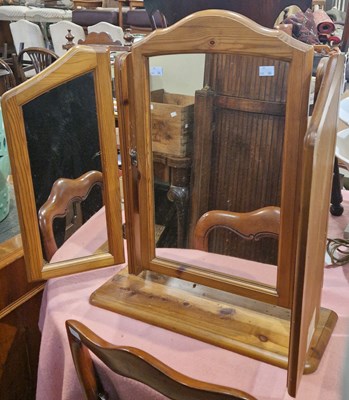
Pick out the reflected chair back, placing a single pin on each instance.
(62, 201)
(254, 225)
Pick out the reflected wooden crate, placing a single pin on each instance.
(172, 120)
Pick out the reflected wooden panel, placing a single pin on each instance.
(238, 145)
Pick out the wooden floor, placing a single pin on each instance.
(9, 226)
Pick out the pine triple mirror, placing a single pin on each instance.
(223, 183)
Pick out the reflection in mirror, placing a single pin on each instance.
(217, 137)
(63, 142)
(172, 120)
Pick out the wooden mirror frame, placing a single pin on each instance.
(140, 216)
(77, 62)
(287, 327)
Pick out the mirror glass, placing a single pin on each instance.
(217, 125)
(62, 136)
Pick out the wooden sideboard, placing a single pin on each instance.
(19, 333)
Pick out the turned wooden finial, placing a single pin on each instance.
(70, 37)
(128, 37)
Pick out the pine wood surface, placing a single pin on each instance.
(172, 119)
(213, 316)
(318, 160)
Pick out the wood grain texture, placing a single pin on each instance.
(19, 350)
(172, 119)
(19, 333)
(213, 316)
(316, 190)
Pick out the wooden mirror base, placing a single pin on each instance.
(225, 320)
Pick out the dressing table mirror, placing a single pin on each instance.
(60, 124)
(249, 163)
(245, 110)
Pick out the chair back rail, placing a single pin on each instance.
(138, 365)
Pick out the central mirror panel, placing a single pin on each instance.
(217, 124)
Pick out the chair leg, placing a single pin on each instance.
(17, 70)
(336, 208)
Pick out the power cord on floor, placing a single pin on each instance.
(338, 250)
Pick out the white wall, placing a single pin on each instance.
(181, 73)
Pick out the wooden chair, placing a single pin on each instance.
(7, 78)
(138, 365)
(265, 13)
(103, 39)
(254, 225)
(59, 32)
(114, 31)
(28, 33)
(33, 60)
(64, 193)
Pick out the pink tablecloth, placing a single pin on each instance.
(68, 297)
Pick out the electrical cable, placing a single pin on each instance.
(338, 250)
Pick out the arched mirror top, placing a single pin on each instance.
(218, 121)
